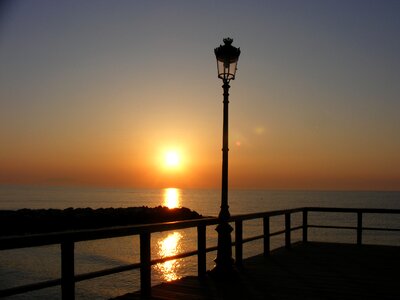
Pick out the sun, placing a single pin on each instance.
(172, 159)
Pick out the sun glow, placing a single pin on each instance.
(172, 159)
(172, 164)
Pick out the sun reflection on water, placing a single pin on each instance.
(169, 246)
(172, 198)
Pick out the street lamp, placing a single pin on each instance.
(227, 58)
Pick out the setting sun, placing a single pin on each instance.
(171, 162)
(172, 159)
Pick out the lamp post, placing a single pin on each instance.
(227, 58)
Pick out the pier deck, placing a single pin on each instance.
(306, 271)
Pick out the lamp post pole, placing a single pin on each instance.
(227, 57)
(224, 213)
(224, 260)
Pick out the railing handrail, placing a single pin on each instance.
(353, 210)
(265, 214)
(68, 238)
(43, 239)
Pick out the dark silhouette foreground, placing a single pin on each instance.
(31, 221)
(312, 271)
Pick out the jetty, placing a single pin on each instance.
(306, 271)
(299, 270)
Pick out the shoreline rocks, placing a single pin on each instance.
(32, 221)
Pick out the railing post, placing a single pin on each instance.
(287, 230)
(201, 248)
(67, 271)
(359, 228)
(239, 242)
(267, 238)
(305, 225)
(145, 265)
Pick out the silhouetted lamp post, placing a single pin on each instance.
(227, 58)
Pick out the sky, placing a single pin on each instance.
(104, 93)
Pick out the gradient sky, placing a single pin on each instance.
(95, 92)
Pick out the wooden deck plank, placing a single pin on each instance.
(307, 271)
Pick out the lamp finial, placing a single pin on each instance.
(228, 41)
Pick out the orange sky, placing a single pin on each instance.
(314, 105)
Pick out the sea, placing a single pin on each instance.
(30, 265)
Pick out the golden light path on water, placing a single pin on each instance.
(171, 244)
(172, 198)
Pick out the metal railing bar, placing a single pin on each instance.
(380, 229)
(178, 256)
(253, 238)
(354, 228)
(211, 249)
(332, 227)
(296, 228)
(354, 210)
(264, 214)
(34, 240)
(30, 287)
(110, 271)
(277, 232)
(261, 236)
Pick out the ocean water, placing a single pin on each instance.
(24, 266)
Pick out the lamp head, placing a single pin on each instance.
(227, 58)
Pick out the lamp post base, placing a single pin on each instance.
(224, 263)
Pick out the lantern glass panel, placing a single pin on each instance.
(226, 71)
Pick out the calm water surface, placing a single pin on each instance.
(30, 265)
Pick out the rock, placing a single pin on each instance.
(30, 221)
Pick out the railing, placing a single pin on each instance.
(67, 241)
(359, 228)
